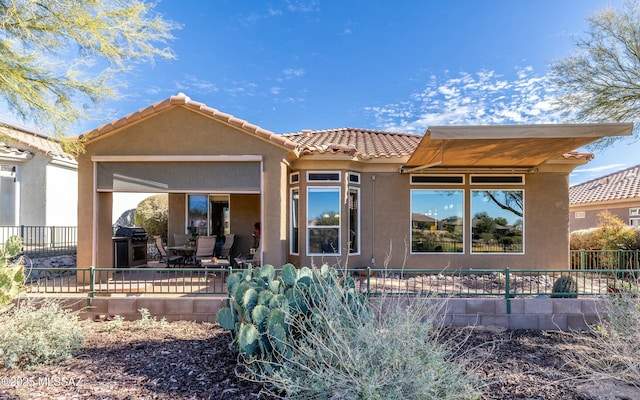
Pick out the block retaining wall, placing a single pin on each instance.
(530, 313)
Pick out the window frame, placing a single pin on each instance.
(308, 228)
(337, 173)
(497, 181)
(437, 176)
(472, 213)
(358, 222)
(291, 221)
(463, 192)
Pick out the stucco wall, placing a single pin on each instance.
(179, 132)
(591, 220)
(33, 188)
(61, 196)
(386, 221)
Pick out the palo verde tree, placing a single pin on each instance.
(601, 80)
(59, 57)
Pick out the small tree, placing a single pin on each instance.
(58, 57)
(152, 214)
(600, 81)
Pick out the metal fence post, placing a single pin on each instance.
(507, 290)
(92, 279)
(368, 281)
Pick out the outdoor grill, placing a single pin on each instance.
(129, 247)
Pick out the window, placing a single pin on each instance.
(295, 221)
(437, 179)
(208, 215)
(634, 212)
(354, 177)
(497, 221)
(323, 220)
(294, 177)
(323, 177)
(354, 221)
(579, 214)
(634, 222)
(498, 179)
(437, 223)
(8, 195)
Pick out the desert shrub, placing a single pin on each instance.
(612, 234)
(333, 343)
(152, 214)
(11, 271)
(610, 350)
(33, 334)
(147, 321)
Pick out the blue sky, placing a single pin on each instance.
(390, 65)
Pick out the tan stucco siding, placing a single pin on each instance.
(179, 132)
(385, 234)
(592, 211)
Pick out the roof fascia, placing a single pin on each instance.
(541, 131)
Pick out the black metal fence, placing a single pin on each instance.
(42, 241)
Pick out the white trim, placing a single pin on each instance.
(339, 226)
(634, 211)
(472, 213)
(579, 214)
(359, 236)
(291, 252)
(350, 174)
(464, 222)
(177, 158)
(291, 175)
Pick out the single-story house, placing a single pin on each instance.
(618, 193)
(341, 196)
(38, 180)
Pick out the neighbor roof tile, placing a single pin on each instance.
(624, 184)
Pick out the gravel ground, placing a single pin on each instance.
(185, 360)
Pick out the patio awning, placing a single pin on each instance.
(506, 145)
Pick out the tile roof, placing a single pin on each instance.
(182, 100)
(20, 140)
(621, 185)
(361, 143)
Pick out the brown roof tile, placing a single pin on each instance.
(363, 143)
(34, 142)
(624, 184)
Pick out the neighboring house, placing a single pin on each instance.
(353, 197)
(38, 180)
(618, 193)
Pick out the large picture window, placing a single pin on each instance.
(437, 223)
(323, 220)
(497, 221)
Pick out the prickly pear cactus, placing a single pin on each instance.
(11, 271)
(261, 305)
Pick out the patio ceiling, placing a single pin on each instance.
(506, 145)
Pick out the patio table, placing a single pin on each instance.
(185, 251)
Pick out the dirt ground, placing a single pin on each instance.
(185, 360)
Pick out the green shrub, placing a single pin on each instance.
(31, 335)
(308, 335)
(152, 214)
(565, 286)
(11, 271)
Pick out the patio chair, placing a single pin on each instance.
(180, 239)
(167, 256)
(225, 252)
(205, 246)
(253, 259)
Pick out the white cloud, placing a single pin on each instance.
(192, 84)
(290, 73)
(480, 98)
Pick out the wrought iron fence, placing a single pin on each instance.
(43, 241)
(504, 283)
(605, 259)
